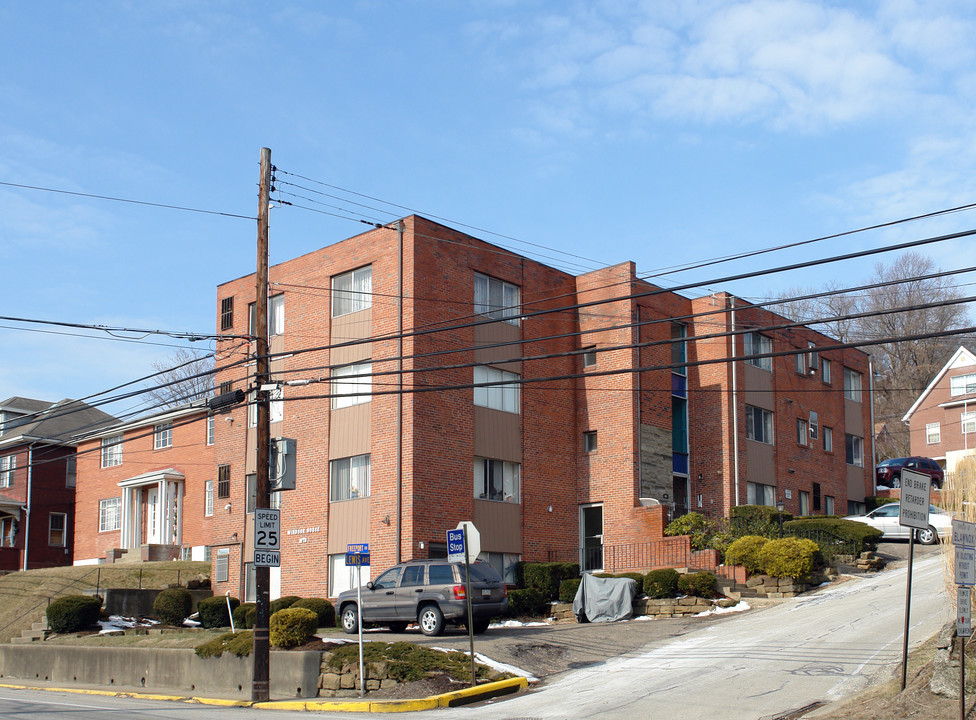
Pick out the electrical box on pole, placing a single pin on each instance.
(282, 458)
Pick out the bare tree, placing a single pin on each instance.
(185, 376)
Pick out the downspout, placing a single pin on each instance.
(735, 405)
(874, 450)
(399, 420)
(27, 509)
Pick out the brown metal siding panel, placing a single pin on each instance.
(757, 387)
(354, 326)
(497, 435)
(350, 431)
(348, 523)
(760, 463)
(500, 525)
(498, 332)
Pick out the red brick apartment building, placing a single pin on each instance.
(566, 416)
(37, 479)
(146, 489)
(942, 421)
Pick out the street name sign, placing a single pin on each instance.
(963, 533)
(357, 555)
(916, 489)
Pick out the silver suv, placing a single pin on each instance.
(430, 593)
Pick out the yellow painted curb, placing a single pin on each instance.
(221, 702)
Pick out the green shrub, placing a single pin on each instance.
(788, 557)
(864, 537)
(239, 644)
(662, 583)
(529, 602)
(292, 627)
(73, 613)
(321, 607)
(700, 584)
(212, 611)
(545, 577)
(745, 552)
(700, 528)
(172, 605)
(567, 589)
(285, 601)
(760, 520)
(244, 616)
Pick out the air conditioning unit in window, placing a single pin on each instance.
(813, 425)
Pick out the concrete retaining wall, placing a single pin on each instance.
(293, 674)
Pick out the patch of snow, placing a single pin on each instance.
(118, 623)
(517, 623)
(738, 607)
(494, 664)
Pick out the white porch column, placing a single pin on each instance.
(125, 522)
(178, 520)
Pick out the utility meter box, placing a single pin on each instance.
(281, 456)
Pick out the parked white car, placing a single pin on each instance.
(885, 519)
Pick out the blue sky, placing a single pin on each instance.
(659, 132)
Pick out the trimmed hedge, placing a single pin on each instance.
(212, 611)
(529, 602)
(73, 613)
(244, 616)
(546, 577)
(700, 584)
(863, 536)
(745, 552)
(292, 627)
(701, 529)
(322, 608)
(173, 605)
(240, 644)
(568, 589)
(788, 557)
(285, 601)
(662, 583)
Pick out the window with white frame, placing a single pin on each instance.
(759, 424)
(208, 498)
(57, 529)
(828, 504)
(352, 384)
(276, 315)
(801, 363)
(163, 436)
(759, 494)
(211, 429)
(111, 451)
(109, 514)
(8, 464)
(854, 450)
(968, 420)
(70, 471)
(933, 433)
(496, 480)
(496, 298)
(352, 291)
(801, 431)
(757, 344)
(504, 395)
(804, 502)
(828, 439)
(962, 384)
(343, 577)
(222, 565)
(852, 385)
(349, 478)
(825, 370)
(276, 407)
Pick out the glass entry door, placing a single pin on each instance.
(591, 538)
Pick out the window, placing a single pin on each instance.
(8, 463)
(223, 481)
(57, 524)
(210, 429)
(813, 359)
(276, 407)
(163, 436)
(222, 564)
(111, 451)
(496, 299)
(825, 370)
(589, 357)
(804, 502)
(227, 313)
(250, 492)
(351, 384)
(679, 425)
(349, 478)
(852, 385)
(828, 504)
(276, 315)
(968, 420)
(342, 577)
(589, 441)
(801, 432)
(816, 497)
(759, 425)
(962, 384)
(109, 514)
(759, 494)
(756, 344)
(814, 424)
(679, 350)
(502, 396)
(801, 363)
(208, 497)
(70, 471)
(855, 450)
(352, 291)
(828, 439)
(496, 480)
(933, 433)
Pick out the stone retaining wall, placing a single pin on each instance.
(654, 607)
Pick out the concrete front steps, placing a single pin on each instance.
(38, 631)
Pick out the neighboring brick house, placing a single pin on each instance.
(570, 454)
(942, 420)
(146, 488)
(37, 479)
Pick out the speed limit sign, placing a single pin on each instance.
(267, 538)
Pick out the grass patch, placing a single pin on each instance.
(407, 662)
(180, 639)
(240, 644)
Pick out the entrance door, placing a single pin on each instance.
(591, 537)
(679, 490)
(152, 516)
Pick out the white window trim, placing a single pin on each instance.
(497, 299)
(759, 344)
(503, 395)
(968, 422)
(163, 436)
(112, 451)
(933, 433)
(349, 478)
(352, 384)
(801, 432)
(110, 514)
(8, 465)
(510, 486)
(211, 429)
(358, 296)
(63, 529)
(768, 425)
(208, 498)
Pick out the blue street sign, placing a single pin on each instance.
(361, 548)
(357, 559)
(455, 545)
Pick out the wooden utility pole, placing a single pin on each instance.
(261, 685)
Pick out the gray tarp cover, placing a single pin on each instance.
(605, 599)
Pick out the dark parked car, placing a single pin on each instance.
(889, 471)
(430, 593)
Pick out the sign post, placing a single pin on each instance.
(913, 512)
(358, 556)
(964, 540)
(463, 543)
